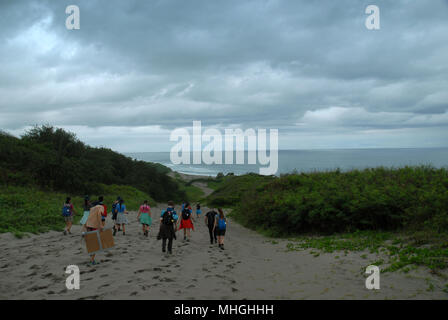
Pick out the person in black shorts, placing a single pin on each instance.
(220, 227)
(210, 218)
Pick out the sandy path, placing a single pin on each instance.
(251, 267)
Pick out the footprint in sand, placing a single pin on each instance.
(35, 288)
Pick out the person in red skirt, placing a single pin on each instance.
(186, 221)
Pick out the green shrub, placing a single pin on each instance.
(409, 198)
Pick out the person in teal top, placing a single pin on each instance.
(144, 216)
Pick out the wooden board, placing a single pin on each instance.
(97, 241)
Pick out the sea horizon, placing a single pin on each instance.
(309, 160)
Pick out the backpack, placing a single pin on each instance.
(186, 214)
(66, 210)
(167, 218)
(222, 224)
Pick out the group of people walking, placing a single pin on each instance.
(95, 213)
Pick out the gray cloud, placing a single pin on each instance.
(281, 64)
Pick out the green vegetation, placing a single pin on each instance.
(192, 193)
(399, 251)
(56, 160)
(401, 214)
(40, 169)
(410, 198)
(230, 189)
(28, 209)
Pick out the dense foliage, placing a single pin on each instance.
(370, 199)
(54, 159)
(230, 189)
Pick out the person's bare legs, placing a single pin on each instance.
(69, 226)
(122, 227)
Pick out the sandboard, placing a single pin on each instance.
(97, 241)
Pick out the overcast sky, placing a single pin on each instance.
(138, 69)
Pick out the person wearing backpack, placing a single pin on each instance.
(87, 207)
(221, 226)
(144, 216)
(68, 211)
(198, 210)
(121, 218)
(186, 221)
(114, 214)
(210, 218)
(168, 220)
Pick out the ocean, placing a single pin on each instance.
(314, 160)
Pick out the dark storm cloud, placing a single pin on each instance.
(301, 66)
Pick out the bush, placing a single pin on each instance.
(410, 198)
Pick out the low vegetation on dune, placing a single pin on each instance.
(411, 198)
(402, 212)
(230, 189)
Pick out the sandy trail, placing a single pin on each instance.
(251, 267)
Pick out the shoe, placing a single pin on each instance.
(222, 247)
(124, 233)
(65, 232)
(115, 231)
(163, 250)
(170, 252)
(185, 238)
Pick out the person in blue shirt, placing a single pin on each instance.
(121, 216)
(220, 227)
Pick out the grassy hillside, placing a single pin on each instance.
(230, 189)
(40, 169)
(56, 160)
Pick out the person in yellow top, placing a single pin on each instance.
(94, 222)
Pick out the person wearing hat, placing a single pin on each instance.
(87, 206)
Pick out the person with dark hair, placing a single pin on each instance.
(114, 213)
(198, 210)
(144, 217)
(101, 203)
(210, 218)
(87, 206)
(186, 221)
(167, 231)
(121, 218)
(221, 226)
(68, 211)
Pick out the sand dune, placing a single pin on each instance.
(251, 267)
